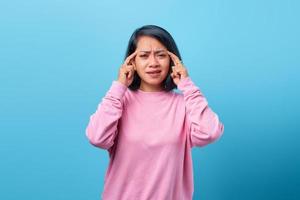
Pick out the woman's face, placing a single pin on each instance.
(151, 63)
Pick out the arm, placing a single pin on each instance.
(203, 124)
(102, 127)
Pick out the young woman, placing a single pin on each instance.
(147, 128)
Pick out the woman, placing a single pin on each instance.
(149, 129)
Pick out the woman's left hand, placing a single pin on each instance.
(178, 71)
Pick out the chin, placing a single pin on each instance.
(154, 82)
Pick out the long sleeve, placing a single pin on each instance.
(203, 124)
(102, 127)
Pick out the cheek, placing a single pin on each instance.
(139, 63)
(165, 63)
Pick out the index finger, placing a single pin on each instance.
(130, 57)
(174, 57)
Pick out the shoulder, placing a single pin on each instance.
(176, 97)
(178, 94)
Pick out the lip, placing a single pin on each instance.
(154, 72)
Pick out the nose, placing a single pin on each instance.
(153, 61)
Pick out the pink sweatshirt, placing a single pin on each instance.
(149, 136)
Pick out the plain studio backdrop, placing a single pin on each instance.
(58, 59)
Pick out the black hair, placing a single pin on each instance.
(162, 36)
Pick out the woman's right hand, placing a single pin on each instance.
(127, 69)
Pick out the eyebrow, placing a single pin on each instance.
(157, 51)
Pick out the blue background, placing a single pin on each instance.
(58, 59)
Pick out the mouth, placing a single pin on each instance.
(154, 72)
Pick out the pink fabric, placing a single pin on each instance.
(149, 136)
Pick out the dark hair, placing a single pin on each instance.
(162, 36)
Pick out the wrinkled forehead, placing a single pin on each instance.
(148, 44)
(151, 50)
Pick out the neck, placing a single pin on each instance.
(150, 88)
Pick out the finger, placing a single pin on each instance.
(175, 58)
(129, 68)
(172, 75)
(124, 72)
(171, 56)
(130, 71)
(175, 70)
(128, 59)
(177, 62)
(129, 74)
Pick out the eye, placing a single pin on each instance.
(162, 55)
(143, 56)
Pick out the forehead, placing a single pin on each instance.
(146, 43)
